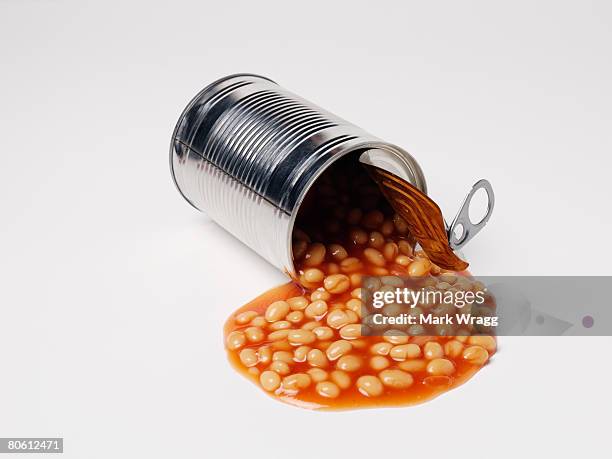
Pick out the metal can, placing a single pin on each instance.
(246, 152)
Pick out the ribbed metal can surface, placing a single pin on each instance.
(246, 152)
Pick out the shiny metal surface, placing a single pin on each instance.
(246, 151)
(463, 229)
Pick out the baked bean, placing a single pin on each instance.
(356, 293)
(403, 260)
(462, 336)
(341, 378)
(314, 255)
(280, 325)
(357, 236)
(337, 252)
(270, 380)
(378, 271)
(316, 309)
(405, 248)
(317, 374)
(400, 224)
(298, 303)
(352, 316)
(284, 356)
(235, 340)
(396, 379)
(259, 321)
(338, 348)
(333, 268)
(390, 251)
(453, 348)
(377, 240)
(387, 228)
(378, 362)
(433, 350)
(301, 336)
(314, 275)
(373, 219)
(281, 345)
(328, 389)
(350, 331)
(301, 353)
(488, 342)
(370, 386)
(392, 281)
(374, 257)
(354, 305)
(337, 283)
(277, 311)
(440, 367)
(350, 265)
(381, 348)
(248, 357)
(338, 318)
(372, 284)
(392, 309)
(264, 354)
(419, 267)
(278, 335)
(323, 333)
(355, 279)
(349, 363)
(316, 358)
(444, 330)
(295, 317)
(296, 382)
(320, 295)
(254, 334)
(281, 367)
(253, 371)
(413, 366)
(245, 317)
(476, 355)
(299, 249)
(312, 325)
(405, 351)
(422, 340)
(395, 337)
(415, 330)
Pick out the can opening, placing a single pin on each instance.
(341, 196)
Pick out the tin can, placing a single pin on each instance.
(246, 152)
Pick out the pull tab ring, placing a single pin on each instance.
(462, 229)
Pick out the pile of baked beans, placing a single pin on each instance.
(303, 343)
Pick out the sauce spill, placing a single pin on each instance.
(307, 343)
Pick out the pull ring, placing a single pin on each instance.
(462, 229)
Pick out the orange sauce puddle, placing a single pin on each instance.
(424, 388)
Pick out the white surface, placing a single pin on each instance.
(114, 290)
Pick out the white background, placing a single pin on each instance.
(113, 290)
